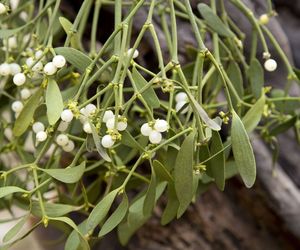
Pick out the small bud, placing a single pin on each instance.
(264, 19)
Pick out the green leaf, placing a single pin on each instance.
(116, 217)
(6, 33)
(149, 202)
(235, 76)
(231, 169)
(4, 191)
(101, 210)
(136, 217)
(149, 95)
(84, 245)
(67, 26)
(204, 116)
(8, 245)
(282, 127)
(128, 140)
(217, 163)
(256, 77)
(162, 172)
(73, 242)
(254, 114)
(242, 151)
(78, 59)
(97, 142)
(213, 21)
(67, 175)
(172, 206)
(15, 229)
(183, 174)
(51, 209)
(54, 102)
(24, 119)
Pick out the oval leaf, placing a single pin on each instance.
(149, 202)
(254, 114)
(4, 191)
(162, 172)
(217, 163)
(78, 59)
(15, 229)
(84, 245)
(101, 210)
(67, 175)
(24, 119)
(242, 151)
(51, 209)
(183, 174)
(256, 77)
(116, 217)
(149, 95)
(54, 102)
(213, 21)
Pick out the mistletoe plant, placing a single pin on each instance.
(90, 128)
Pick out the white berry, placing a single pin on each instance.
(107, 141)
(62, 140)
(69, 147)
(108, 115)
(38, 127)
(4, 69)
(67, 115)
(37, 66)
(50, 69)
(90, 109)
(17, 106)
(161, 125)
(14, 68)
(12, 42)
(41, 136)
(135, 53)
(3, 9)
(270, 65)
(121, 126)
(63, 126)
(146, 129)
(155, 137)
(110, 123)
(87, 128)
(179, 106)
(181, 96)
(38, 54)
(25, 93)
(29, 61)
(59, 61)
(19, 79)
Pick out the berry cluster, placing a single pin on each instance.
(154, 129)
